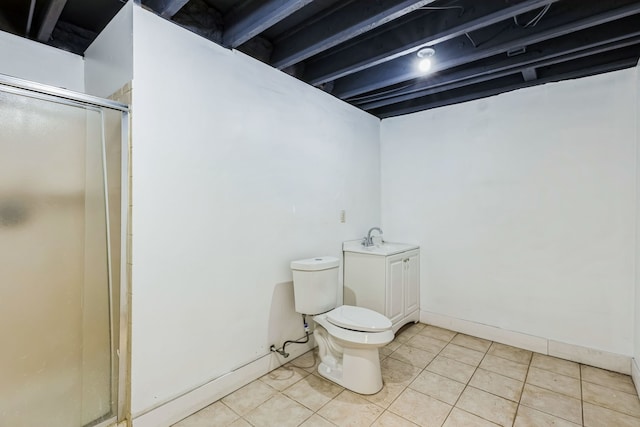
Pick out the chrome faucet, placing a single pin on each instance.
(368, 241)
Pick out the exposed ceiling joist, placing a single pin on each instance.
(471, 95)
(453, 53)
(429, 29)
(166, 8)
(473, 76)
(244, 24)
(346, 23)
(50, 19)
(612, 36)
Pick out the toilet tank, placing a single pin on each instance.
(315, 284)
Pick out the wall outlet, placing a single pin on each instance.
(343, 216)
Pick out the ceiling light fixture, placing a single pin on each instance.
(425, 54)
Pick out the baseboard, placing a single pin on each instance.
(588, 356)
(191, 402)
(592, 357)
(492, 333)
(635, 374)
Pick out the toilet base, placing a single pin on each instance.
(354, 368)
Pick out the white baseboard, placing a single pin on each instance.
(191, 402)
(588, 356)
(635, 374)
(492, 333)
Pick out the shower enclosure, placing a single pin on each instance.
(63, 311)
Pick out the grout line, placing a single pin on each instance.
(581, 395)
(524, 383)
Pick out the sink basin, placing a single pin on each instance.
(382, 249)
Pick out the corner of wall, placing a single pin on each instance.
(108, 62)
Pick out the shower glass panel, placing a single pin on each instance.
(60, 248)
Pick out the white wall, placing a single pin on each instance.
(238, 169)
(523, 205)
(36, 62)
(109, 59)
(636, 353)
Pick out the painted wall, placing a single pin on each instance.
(40, 63)
(636, 353)
(238, 169)
(523, 205)
(109, 60)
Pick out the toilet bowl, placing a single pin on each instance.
(348, 337)
(348, 340)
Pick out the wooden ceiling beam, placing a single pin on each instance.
(428, 29)
(344, 24)
(252, 19)
(49, 20)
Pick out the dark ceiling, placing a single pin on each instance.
(365, 51)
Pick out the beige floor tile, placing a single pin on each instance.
(438, 387)
(240, 423)
(473, 343)
(389, 419)
(403, 337)
(452, 369)
(438, 333)
(284, 377)
(215, 414)
(384, 351)
(612, 399)
(423, 342)
(460, 418)
(413, 356)
(552, 403)
(393, 346)
(350, 409)
(316, 421)
(313, 392)
(420, 408)
(249, 397)
(390, 391)
(608, 379)
(462, 354)
(279, 410)
(497, 384)
(597, 416)
(395, 371)
(554, 364)
(308, 361)
(554, 382)
(528, 417)
(505, 367)
(488, 406)
(414, 328)
(512, 353)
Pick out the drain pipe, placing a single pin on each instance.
(281, 351)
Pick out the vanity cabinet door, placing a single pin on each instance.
(395, 300)
(412, 281)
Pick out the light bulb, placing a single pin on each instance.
(424, 65)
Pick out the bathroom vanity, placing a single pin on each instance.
(384, 277)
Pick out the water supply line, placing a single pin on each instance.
(304, 340)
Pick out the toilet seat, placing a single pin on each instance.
(358, 319)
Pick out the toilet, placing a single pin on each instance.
(348, 337)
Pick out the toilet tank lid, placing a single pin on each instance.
(315, 264)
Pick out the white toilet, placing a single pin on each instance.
(348, 337)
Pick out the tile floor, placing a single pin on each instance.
(436, 377)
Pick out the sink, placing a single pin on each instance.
(381, 248)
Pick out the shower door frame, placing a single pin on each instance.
(44, 92)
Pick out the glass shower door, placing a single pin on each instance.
(58, 290)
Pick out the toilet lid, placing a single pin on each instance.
(358, 319)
